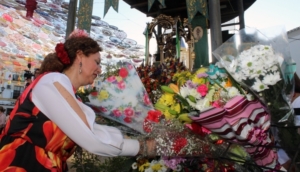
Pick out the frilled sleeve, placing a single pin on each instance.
(100, 139)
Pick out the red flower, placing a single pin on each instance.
(153, 115)
(117, 113)
(129, 112)
(128, 120)
(202, 131)
(179, 144)
(123, 73)
(62, 53)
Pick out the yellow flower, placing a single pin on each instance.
(156, 167)
(144, 166)
(201, 70)
(198, 81)
(118, 78)
(103, 95)
(176, 107)
(167, 99)
(168, 115)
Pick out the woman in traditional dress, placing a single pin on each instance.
(48, 120)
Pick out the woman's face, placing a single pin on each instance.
(91, 68)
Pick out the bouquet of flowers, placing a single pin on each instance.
(259, 63)
(122, 97)
(212, 99)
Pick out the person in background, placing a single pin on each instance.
(30, 6)
(2, 118)
(36, 72)
(48, 121)
(28, 79)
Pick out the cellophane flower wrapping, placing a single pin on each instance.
(121, 97)
(260, 61)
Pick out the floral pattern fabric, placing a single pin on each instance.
(30, 141)
(123, 98)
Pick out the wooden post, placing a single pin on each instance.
(71, 17)
(241, 14)
(215, 25)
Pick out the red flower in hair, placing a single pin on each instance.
(62, 53)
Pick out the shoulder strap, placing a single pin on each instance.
(29, 87)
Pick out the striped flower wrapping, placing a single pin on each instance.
(243, 122)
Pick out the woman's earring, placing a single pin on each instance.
(80, 65)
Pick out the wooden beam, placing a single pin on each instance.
(167, 11)
(136, 5)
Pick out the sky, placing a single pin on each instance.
(262, 14)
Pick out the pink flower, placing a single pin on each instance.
(117, 113)
(111, 79)
(202, 89)
(129, 112)
(130, 66)
(146, 99)
(216, 104)
(121, 85)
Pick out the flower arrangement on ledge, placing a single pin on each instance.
(154, 76)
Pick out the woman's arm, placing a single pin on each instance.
(53, 96)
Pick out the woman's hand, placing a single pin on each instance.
(147, 148)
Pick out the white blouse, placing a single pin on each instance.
(100, 139)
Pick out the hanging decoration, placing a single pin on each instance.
(195, 6)
(111, 3)
(151, 2)
(85, 15)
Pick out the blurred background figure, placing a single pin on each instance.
(36, 72)
(2, 118)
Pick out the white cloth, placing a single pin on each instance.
(296, 104)
(100, 139)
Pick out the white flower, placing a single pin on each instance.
(271, 79)
(274, 68)
(250, 97)
(232, 92)
(184, 91)
(134, 166)
(194, 93)
(259, 86)
(149, 170)
(202, 104)
(178, 168)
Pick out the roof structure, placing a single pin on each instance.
(174, 8)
